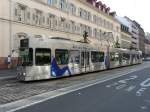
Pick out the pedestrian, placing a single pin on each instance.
(9, 61)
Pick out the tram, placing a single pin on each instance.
(48, 58)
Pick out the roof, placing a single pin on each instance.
(123, 21)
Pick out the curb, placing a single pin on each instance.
(7, 78)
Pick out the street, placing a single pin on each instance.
(7, 74)
(118, 90)
(129, 93)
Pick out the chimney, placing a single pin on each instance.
(107, 10)
(104, 8)
(93, 2)
(98, 4)
(112, 13)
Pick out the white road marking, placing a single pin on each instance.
(17, 105)
(140, 91)
(121, 86)
(128, 79)
(129, 89)
(143, 107)
(111, 85)
(79, 93)
(145, 83)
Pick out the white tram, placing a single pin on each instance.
(55, 57)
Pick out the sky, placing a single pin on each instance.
(138, 10)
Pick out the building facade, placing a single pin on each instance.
(133, 29)
(126, 37)
(59, 18)
(147, 44)
(141, 37)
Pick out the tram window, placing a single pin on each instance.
(62, 56)
(114, 56)
(26, 55)
(42, 56)
(82, 58)
(74, 56)
(87, 58)
(97, 56)
(126, 56)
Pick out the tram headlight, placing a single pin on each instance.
(24, 74)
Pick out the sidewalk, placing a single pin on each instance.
(8, 73)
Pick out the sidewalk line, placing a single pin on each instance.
(17, 105)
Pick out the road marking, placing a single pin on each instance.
(143, 107)
(128, 79)
(145, 83)
(121, 86)
(112, 85)
(130, 88)
(17, 105)
(140, 91)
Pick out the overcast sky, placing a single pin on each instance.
(138, 10)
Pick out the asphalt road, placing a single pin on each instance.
(128, 93)
(8, 74)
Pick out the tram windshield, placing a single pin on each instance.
(26, 55)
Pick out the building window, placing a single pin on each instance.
(49, 2)
(63, 5)
(94, 32)
(94, 18)
(84, 14)
(38, 17)
(51, 20)
(89, 16)
(72, 9)
(52, 2)
(20, 12)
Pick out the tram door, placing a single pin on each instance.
(85, 63)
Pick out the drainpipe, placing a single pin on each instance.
(10, 27)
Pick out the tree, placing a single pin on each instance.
(85, 35)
